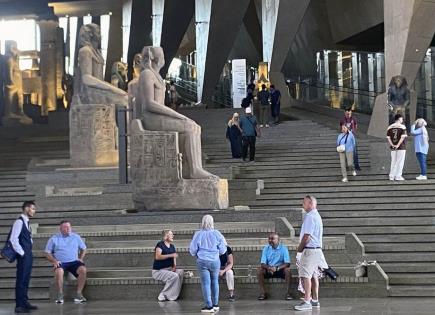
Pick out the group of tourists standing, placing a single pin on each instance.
(396, 136)
(214, 260)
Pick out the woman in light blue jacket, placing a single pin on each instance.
(345, 149)
(421, 143)
(207, 244)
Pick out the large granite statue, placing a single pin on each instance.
(13, 88)
(133, 86)
(89, 86)
(398, 98)
(163, 177)
(93, 132)
(119, 75)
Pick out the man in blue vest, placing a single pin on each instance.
(21, 239)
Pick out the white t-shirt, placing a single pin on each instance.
(313, 226)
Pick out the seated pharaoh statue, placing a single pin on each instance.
(119, 75)
(13, 88)
(89, 86)
(93, 131)
(398, 98)
(158, 117)
(165, 160)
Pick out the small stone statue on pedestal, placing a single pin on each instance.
(119, 75)
(398, 98)
(13, 88)
(164, 178)
(93, 131)
(137, 65)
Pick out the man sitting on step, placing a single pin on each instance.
(66, 251)
(275, 263)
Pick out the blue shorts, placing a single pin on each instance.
(71, 267)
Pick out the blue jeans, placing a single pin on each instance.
(421, 157)
(209, 273)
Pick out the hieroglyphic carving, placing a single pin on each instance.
(93, 135)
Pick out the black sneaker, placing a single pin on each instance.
(231, 298)
(207, 310)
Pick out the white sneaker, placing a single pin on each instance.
(267, 125)
(304, 306)
(216, 308)
(354, 173)
(421, 177)
(344, 180)
(261, 126)
(391, 177)
(399, 178)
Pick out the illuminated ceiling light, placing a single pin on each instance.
(110, 13)
(417, 50)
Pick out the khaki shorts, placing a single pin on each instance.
(311, 259)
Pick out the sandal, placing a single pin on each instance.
(262, 297)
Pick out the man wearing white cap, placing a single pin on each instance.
(250, 131)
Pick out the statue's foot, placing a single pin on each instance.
(203, 174)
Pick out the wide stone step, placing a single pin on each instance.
(178, 228)
(375, 222)
(427, 239)
(360, 181)
(348, 189)
(378, 213)
(381, 230)
(412, 291)
(406, 268)
(399, 247)
(411, 278)
(411, 258)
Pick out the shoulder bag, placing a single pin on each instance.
(8, 252)
(342, 147)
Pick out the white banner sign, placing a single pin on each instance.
(239, 81)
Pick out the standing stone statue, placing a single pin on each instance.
(137, 65)
(133, 86)
(13, 88)
(398, 98)
(93, 131)
(90, 87)
(158, 117)
(119, 75)
(166, 162)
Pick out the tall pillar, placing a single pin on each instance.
(380, 72)
(202, 22)
(409, 29)
(174, 27)
(115, 44)
(140, 30)
(355, 76)
(158, 11)
(48, 57)
(225, 23)
(287, 17)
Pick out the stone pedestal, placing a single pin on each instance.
(93, 135)
(156, 172)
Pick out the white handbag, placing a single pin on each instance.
(341, 148)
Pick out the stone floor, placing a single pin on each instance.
(394, 306)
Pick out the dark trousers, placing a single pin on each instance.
(355, 158)
(24, 271)
(248, 141)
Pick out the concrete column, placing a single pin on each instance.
(355, 77)
(174, 27)
(326, 65)
(48, 56)
(340, 68)
(371, 72)
(380, 72)
(202, 21)
(428, 83)
(60, 62)
(409, 29)
(158, 11)
(114, 51)
(289, 17)
(225, 23)
(140, 30)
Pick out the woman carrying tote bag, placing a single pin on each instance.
(345, 149)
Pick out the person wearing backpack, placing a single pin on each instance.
(21, 240)
(345, 149)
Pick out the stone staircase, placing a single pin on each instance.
(293, 159)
